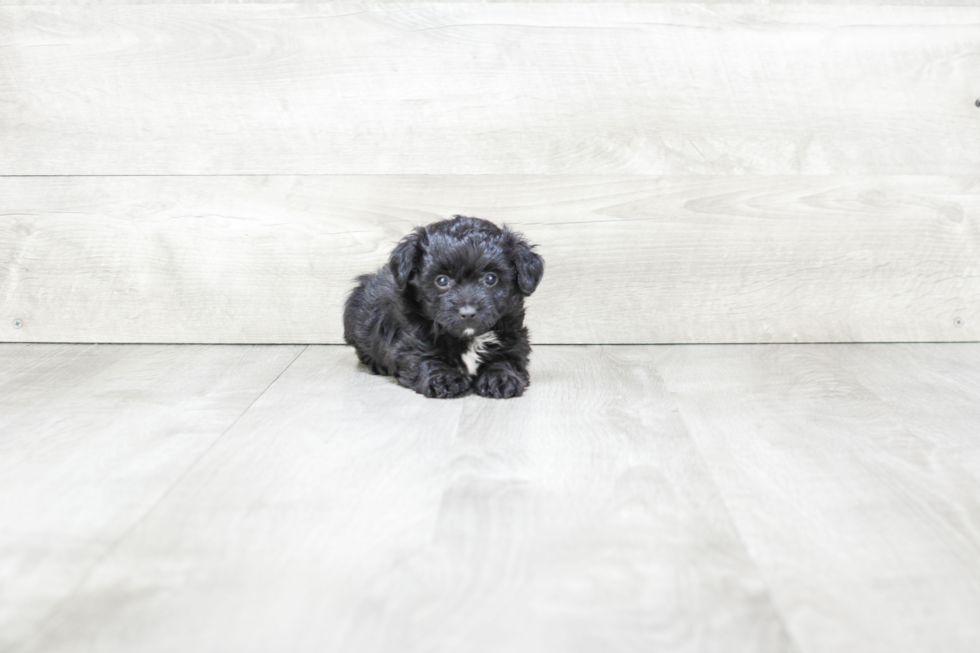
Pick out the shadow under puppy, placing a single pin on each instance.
(446, 315)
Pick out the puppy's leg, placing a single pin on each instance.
(433, 378)
(502, 379)
(504, 374)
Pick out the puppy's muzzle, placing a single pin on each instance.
(470, 319)
(467, 319)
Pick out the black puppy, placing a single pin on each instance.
(447, 312)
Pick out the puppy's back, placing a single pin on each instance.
(369, 311)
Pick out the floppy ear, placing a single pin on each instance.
(405, 257)
(529, 264)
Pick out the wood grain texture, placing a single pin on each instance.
(348, 88)
(629, 258)
(866, 528)
(933, 392)
(345, 513)
(91, 437)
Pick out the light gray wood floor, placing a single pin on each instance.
(699, 498)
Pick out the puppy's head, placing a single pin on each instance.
(466, 273)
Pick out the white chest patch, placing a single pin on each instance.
(478, 347)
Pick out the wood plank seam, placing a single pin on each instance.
(723, 500)
(107, 554)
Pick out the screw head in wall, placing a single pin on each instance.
(18, 324)
(958, 322)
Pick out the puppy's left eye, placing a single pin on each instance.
(490, 280)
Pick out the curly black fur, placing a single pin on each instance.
(449, 288)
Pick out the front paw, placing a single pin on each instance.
(445, 384)
(501, 383)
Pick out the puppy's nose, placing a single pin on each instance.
(467, 312)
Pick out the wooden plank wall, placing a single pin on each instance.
(692, 172)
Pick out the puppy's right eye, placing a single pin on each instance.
(442, 281)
